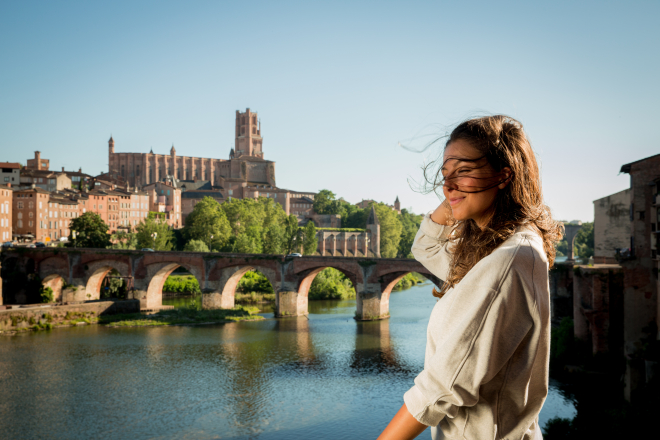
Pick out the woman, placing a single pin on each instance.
(488, 340)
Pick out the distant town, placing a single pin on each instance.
(38, 203)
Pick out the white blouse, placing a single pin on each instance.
(488, 341)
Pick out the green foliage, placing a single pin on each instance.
(113, 286)
(341, 229)
(583, 246)
(331, 284)
(325, 203)
(254, 281)
(208, 223)
(410, 225)
(561, 342)
(46, 294)
(409, 281)
(257, 226)
(310, 242)
(124, 240)
(584, 241)
(145, 235)
(183, 315)
(293, 235)
(390, 230)
(196, 246)
(254, 297)
(181, 284)
(91, 232)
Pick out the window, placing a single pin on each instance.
(6, 179)
(20, 206)
(20, 223)
(641, 215)
(30, 204)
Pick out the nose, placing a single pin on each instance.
(450, 185)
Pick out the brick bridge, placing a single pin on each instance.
(77, 274)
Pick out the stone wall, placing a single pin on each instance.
(611, 226)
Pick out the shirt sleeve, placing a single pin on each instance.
(483, 329)
(431, 247)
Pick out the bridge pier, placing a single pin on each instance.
(372, 303)
(290, 304)
(217, 300)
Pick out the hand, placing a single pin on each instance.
(443, 215)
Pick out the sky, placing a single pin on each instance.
(339, 86)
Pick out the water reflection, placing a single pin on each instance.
(322, 377)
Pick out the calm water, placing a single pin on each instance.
(326, 377)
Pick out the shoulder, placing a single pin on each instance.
(519, 254)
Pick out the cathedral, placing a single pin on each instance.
(246, 162)
(245, 174)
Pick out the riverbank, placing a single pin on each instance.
(116, 314)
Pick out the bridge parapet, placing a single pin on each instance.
(77, 275)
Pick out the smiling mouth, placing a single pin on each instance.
(455, 201)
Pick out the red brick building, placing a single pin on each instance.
(6, 204)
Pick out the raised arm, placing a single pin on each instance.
(430, 245)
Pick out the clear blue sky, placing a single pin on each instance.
(337, 85)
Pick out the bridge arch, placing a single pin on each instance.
(95, 273)
(220, 289)
(157, 274)
(55, 282)
(306, 278)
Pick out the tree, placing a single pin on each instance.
(410, 225)
(91, 232)
(292, 235)
(123, 240)
(196, 246)
(584, 241)
(273, 239)
(154, 234)
(310, 242)
(208, 223)
(390, 230)
(325, 203)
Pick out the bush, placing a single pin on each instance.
(46, 294)
(254, 281)
(181, 284)
(408, 281)
(331, 284)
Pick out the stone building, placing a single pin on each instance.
(246, 163)
(351, 243)
(37, 163)
(611, 226)
(640, 296)
(245, 174)
(166, 199)
(10, 173)
(30, 214)
(6, 204)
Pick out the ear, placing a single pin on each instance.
(506, 177)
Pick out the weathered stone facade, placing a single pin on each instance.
(611, 226)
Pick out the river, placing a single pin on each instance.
(322, 377)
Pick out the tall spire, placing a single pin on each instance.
(373, 218)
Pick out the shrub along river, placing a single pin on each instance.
(322, 377)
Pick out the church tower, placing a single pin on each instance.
(111, 151)
(248, 140)
(397, 205)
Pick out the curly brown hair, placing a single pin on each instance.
(503, 142)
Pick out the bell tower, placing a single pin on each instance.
(248, 140)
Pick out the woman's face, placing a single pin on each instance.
(470, 182)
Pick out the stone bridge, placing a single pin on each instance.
(77, 274)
